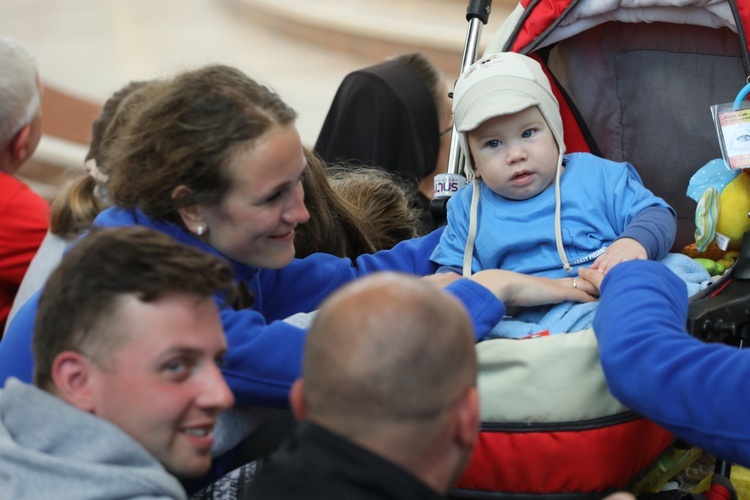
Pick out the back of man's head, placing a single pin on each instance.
(387, 350)
(389, 365)
(19, 88)
(97, 273)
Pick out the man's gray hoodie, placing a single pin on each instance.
(49, 449)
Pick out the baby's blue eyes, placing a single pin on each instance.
(526, 134)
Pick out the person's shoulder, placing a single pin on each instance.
(463, 194)
(16, 193)
(282, 487)
(288, 480)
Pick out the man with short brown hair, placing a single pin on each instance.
(127, 345)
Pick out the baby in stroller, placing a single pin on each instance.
(510, 130)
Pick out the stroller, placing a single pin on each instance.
(635, 82)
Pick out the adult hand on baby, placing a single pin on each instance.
(580, 284)
(619, 251)
(516, 289)
(591, 276)
(441, 280)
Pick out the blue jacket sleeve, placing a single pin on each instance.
(484, 309)
(694, 389)
(263, 359)
(265, 354)
(16, 358)
(302, 285)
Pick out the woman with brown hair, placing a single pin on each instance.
(216, 162)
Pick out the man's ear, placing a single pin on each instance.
(191, 215)
(297, 400)
(19, 145)
(72, 377)
(467, 413)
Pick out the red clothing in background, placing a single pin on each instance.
(24, 219)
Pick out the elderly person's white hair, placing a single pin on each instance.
(19, 88)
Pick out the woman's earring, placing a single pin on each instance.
(199, 230)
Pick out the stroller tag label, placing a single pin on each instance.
(721, 241)
(733, 129)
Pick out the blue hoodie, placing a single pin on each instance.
(652, 365)
(265, 353)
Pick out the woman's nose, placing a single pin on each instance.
(297, 213)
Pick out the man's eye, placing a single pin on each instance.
(176, 366)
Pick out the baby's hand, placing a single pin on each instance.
(619, 251)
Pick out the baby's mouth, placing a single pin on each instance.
(522, 176)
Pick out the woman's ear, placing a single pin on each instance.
(192, 214)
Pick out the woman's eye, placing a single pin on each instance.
(274, 197)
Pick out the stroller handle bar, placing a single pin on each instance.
(479, 9)
(477, 14)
